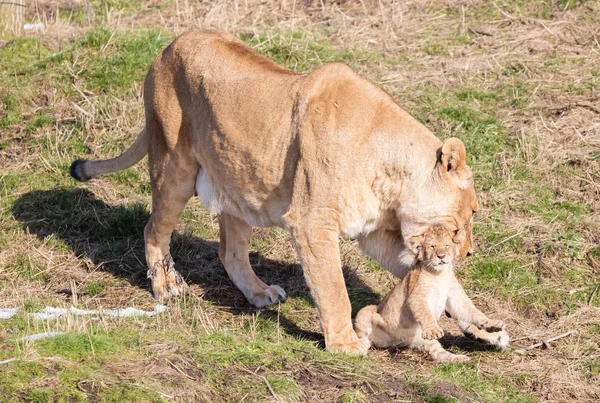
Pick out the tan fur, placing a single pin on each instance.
(319, 154)
(408, 315)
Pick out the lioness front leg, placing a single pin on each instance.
(234, 235)
(319, 254)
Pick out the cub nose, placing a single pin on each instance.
(441, 257)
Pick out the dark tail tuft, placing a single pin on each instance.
(78, 171)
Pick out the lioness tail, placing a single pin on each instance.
(84, 170)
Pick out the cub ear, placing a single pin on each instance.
(414, 244)
(452, 156)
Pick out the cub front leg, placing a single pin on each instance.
(460, 307)
(499, 339)
(420, 310)
(318, 250)
(437, 351)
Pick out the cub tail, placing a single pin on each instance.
(84, 170)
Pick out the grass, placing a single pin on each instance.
(516, 81)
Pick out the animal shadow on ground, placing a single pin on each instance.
(112, 238)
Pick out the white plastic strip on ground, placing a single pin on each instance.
(52, 313)
(7, 361)
(7, 313)
(39, 336)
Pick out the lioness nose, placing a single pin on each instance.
(441, 256)
(470, 252)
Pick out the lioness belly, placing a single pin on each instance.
(219, 202)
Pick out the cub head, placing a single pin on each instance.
(435, 248)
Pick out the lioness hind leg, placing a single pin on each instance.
(172, 174)
(235, 234)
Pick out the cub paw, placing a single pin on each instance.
(492, 325)
(433, 333)
(458, 358)
(502, 340)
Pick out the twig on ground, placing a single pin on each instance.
(538, 249)
(546, 342)
(275, 395)
(593, 294)
(478, 32)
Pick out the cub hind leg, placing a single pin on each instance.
(437, 351)
(369, 328)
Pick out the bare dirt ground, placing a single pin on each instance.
(517, 81)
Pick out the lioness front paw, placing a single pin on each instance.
(357, 347)
(492, 325)
(269, 296)
(433, 333)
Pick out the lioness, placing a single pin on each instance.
(408, 315)
(319, 154)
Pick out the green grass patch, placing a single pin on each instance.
(17, 375)
(130, 393)
(488, 388)
(78, 346)
(28, 269)
(303, 51)
(123, 59)
(19, 55)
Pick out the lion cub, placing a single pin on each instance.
(408, 315)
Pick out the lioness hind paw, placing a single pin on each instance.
(174, 286)
(269, 296)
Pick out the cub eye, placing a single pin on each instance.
(432, 247)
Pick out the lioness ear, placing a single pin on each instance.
(414, 244)
(453, 155)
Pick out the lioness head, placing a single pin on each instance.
(435, 248)
(452, 164)
(447, 196)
